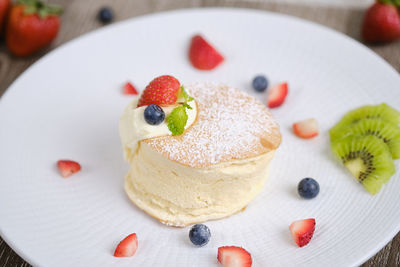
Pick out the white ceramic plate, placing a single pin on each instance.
(68, 105)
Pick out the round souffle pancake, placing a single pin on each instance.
(215, 168)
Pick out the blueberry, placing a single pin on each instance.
(308, 188)
(260, 83)
(154, 115)
(105, 15)
(199, 234)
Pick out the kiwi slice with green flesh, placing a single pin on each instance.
(382, 111)
(387, 132)
(367, 158)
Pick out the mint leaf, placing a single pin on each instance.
(186, 106)
(185, 95)
(177, 120)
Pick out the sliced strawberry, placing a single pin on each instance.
(277, 94)
(302, 231)
(129, 89)
(127, 247)
(306, 128)
(234, 257)
(68, 167)
(162, 91)
(202, 55)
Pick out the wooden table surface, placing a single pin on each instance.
(80, 17)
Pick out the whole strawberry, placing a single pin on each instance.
(162, 91)
(4, 6)
(31, 26)
(381, 22)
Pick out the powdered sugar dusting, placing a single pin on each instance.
(230, 125)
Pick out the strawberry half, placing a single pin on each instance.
(129, 89)
(234, 257)
(203, 55)
(381, 23)
(162, 91)
(127, 247)
(68, 167)
(277, 95)
(306, 128)
(302, 231)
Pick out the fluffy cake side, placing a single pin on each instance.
(215, 168)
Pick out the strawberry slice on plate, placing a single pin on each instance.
(277, 95)
(161, 91)
(129, 89)
(231, 256)
(127, 247)
(203, 55)
(302, 231)
(306, 128)
(68, 167)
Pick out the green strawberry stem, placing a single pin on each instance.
(392, 2)
(38, 7)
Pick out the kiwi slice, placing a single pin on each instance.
(387, 132)
(367, 158)
(382, 111)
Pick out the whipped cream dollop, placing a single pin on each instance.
(133, 127)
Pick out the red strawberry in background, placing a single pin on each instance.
(4, 6)
(381, 23)
(162, 91)
(202, 55)
(31, 26)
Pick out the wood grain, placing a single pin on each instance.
(80, 17)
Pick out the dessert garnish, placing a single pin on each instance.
(387, 132)
(199, 234)
(162, 91)
(127, 247)
(308, 188)
(260, 83)
(154, 115)
(165, 91)
(302, 231)
(129, 89)
(178, 118)
(277, 95)
(367, 158)
(232, 256)
(306, 128)
(68, 167)
(203, 55)
(366, 140)
(382, 111)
